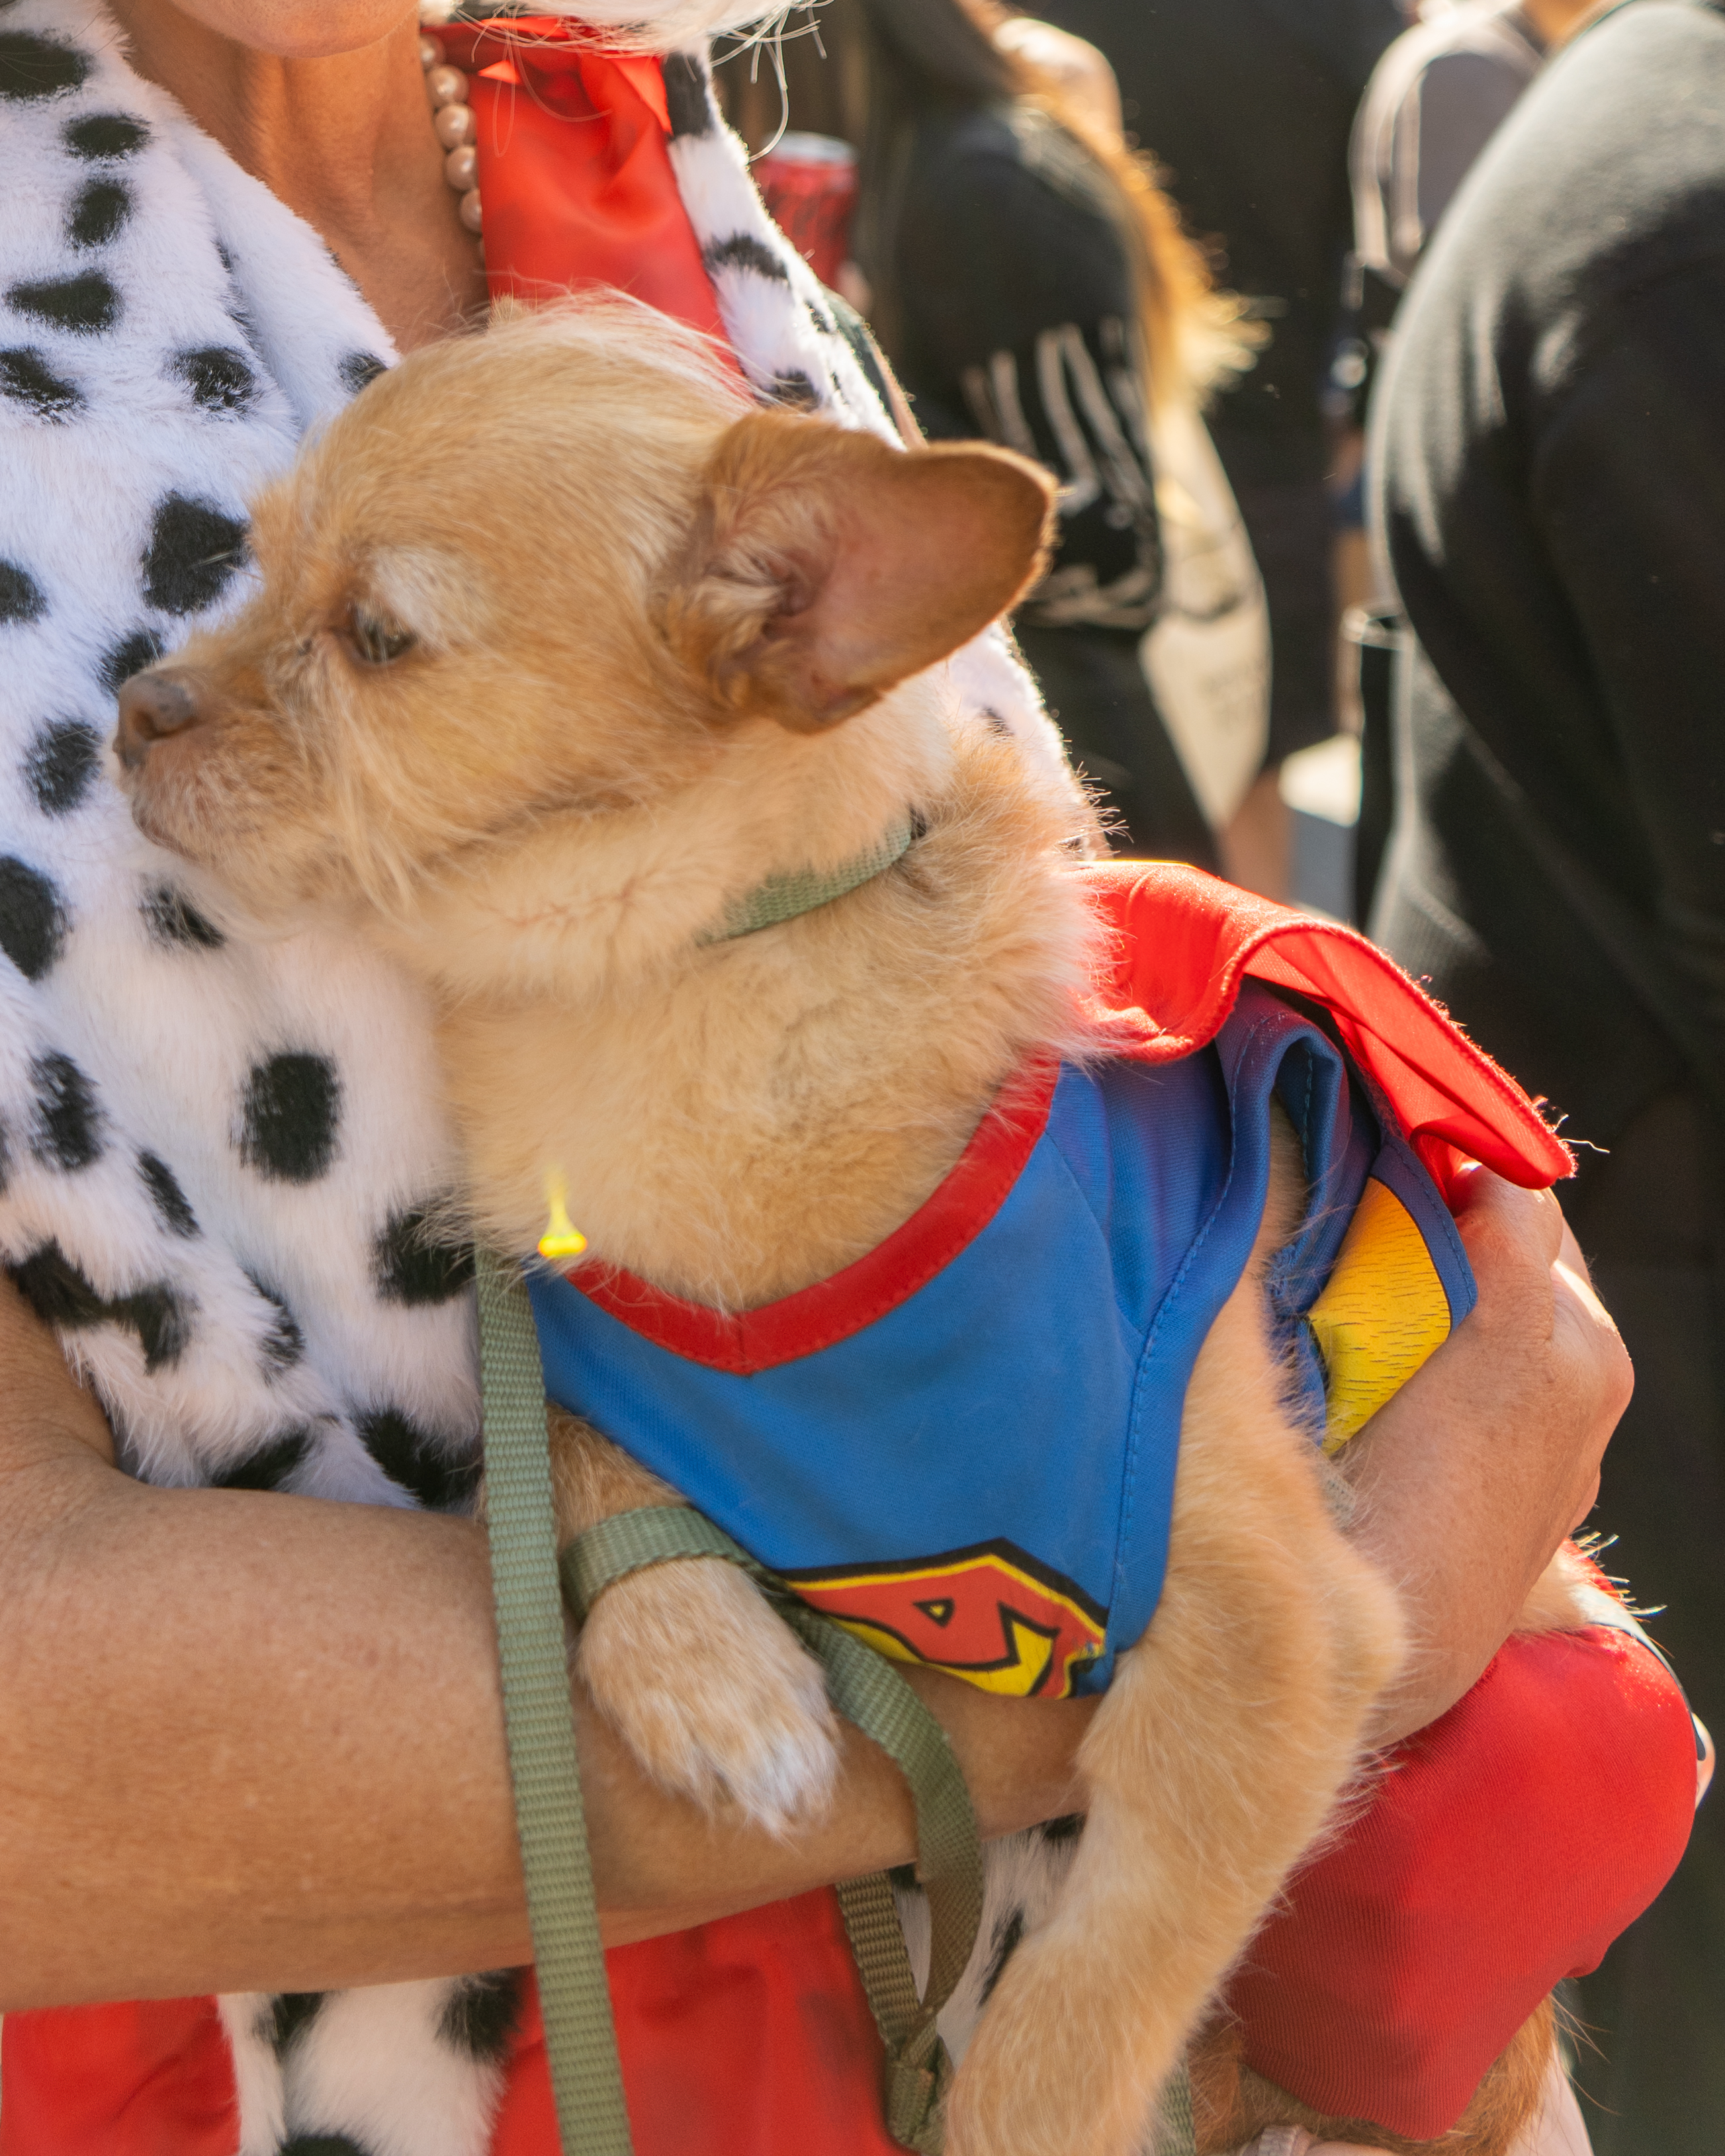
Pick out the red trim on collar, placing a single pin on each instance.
(834, 1309)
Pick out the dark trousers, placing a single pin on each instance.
(1095, 689)
(1650, 1218)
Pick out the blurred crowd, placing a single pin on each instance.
(1379, 355)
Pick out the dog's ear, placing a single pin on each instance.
(825, 567)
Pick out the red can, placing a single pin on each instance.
(809, 182)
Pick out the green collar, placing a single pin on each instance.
(783, 897)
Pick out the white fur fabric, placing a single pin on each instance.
(214, 1157)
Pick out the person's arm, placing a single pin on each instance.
(253, 1742)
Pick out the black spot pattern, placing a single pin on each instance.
(221, 380)
(411, 1266)
(61, 1294)
(685, 97)
(130, 656)
(359, 369)
(288, 1117)
(1007, 1939)
(996, 724)
(322, 2144)
(33, 67)
(21, 597)
(60, 763)
(101, 208)
(28, 379)
(194, 549)
(171, 918)
(33, 922)
(1059, 1831)
(85, 304)
(480, 2017)
(416, 1460)
(106, 135)
(284, 1344)
(267, 1469)
(292, 2013)
(743, 251)
(66, 1124)
(851, 326)
(793, 388)
(173, 1207)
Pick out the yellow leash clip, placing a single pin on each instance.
(562, 1238)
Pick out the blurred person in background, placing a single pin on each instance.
(1549, 447)
(1435, 101)
(1248, 105)
(1029, 283)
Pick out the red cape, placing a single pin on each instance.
(1184, 943)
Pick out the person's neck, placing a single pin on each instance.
(345, 141)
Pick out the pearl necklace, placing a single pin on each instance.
(452, 116)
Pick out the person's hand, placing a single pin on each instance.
(1471, 1476)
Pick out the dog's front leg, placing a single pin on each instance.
(688, 1662)
(1215, 1760)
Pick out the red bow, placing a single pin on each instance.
(574, 170)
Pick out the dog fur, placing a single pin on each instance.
(528, 717)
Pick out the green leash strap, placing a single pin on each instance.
(580, 2042)
(1175, 2133)
(919, 2067)
(867, 1691)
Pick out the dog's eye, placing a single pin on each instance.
(376, 639)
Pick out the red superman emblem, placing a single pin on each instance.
(991, 1615)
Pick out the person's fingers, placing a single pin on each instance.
(1584, 1332)
(1569, 1255)
(1503, 1223)
(1470, 1477)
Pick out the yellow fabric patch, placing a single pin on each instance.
(1381, 1314)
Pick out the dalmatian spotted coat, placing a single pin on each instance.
(216, 1160)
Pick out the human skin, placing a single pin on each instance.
(253, 1742)
(324, 101)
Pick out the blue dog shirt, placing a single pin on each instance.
(963, 1446)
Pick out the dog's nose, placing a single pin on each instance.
(152, 706)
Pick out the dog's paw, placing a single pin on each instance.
(712, 1693)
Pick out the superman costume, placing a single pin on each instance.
(962, 1447)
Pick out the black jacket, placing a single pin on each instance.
(1550, 446)
(1248, 106)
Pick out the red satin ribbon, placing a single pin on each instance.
(574, 169)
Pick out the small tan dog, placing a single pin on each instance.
(531, 716)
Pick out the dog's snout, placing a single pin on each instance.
(152, 706)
